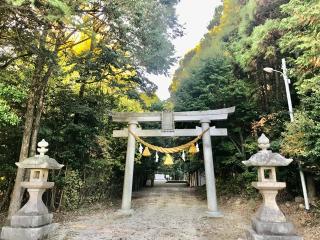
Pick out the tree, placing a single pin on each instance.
(259, 35)
(44, 33)
(299, 42)
(212, 86)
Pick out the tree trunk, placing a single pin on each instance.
(242, 145)
(38, 112)
(311, 187)
(278, 88)
(53, 195)
(17, 190)
(36, 93)
(264, 93)
(6, 196)
(36, 125)
(76, 118)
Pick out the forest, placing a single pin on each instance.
(66, 65)
(226, 69)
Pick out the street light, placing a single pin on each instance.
(286, 83)
(269, 70)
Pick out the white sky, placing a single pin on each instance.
(195, 16)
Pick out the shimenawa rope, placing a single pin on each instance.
(168, 150)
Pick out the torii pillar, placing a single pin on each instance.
(128, 173)
(167, 119)
(209, 170)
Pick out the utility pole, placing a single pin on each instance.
(302, 178)
(286, 83)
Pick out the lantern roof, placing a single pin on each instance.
(40, 161)
(266, 157)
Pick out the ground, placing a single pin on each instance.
(171, 211)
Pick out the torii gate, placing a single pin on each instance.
(167, 119)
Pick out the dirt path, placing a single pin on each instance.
(166, 212)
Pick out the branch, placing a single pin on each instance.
(75, 44)
(72, 45)
(235, 144)
(7, 63)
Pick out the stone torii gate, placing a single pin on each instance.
(167, 119)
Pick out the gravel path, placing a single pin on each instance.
(168, 211)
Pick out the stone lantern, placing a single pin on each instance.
(33, 221)
(269, 223)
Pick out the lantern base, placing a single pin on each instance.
(252, 235)
(31, 220)
(38, 233)
(273, 228)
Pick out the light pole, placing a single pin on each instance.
(286, 83)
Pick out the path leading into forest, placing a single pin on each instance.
(168, 211)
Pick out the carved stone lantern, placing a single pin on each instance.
(269, 223)
(33, 221)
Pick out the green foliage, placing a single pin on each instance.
(72, 185)
(258, 36)
(260, 44)
(240, 184)
(302, 30)
(301, 141)
(7, 117)
(211, 86)
(215, 21)
(17, 2)
(10, 97)
(213, 44)
(89, 58)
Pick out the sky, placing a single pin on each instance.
(195, 16)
